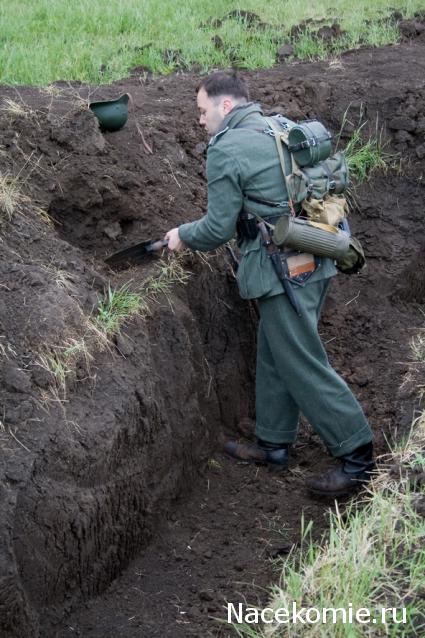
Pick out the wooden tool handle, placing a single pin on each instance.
(157, 245)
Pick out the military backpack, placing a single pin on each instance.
(316, 181)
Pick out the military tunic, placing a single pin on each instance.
(293, 372)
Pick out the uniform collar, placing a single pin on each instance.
(235, 116)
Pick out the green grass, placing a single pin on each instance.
(100, 41)
(118, 306)
(122, 303)
(366, 156)
(373, 557)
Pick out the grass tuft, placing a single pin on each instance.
(11, 197)
(57, 364)
(117, 306)
(366, 156)
(170, 272)
(16, 109)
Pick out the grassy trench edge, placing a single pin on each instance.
(100, 43)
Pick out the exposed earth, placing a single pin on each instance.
(119, 516)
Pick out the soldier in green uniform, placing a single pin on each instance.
(293, 372)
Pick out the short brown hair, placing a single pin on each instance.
(220, 83)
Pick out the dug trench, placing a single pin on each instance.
(119, 514)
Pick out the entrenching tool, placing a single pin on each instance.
(136, 254)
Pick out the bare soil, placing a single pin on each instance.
(119, 514)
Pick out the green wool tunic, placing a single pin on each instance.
(293, 372)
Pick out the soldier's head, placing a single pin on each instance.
(218, 94)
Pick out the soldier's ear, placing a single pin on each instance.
(227, 105)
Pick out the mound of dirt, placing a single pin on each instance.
(93, 455)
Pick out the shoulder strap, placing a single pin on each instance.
(281, 137)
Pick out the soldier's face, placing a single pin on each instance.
(212, 111)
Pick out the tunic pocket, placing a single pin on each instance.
(255, 274)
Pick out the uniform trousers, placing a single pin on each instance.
(294, 375)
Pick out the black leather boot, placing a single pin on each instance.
(354, 472)
(275, 455)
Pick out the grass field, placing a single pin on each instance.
(46, 40)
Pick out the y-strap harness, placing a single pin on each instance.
(278, 258)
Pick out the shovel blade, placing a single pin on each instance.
(136, 254)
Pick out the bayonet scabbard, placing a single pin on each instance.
(280, 266)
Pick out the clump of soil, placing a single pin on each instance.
(124, 457)
(414, 28)
(249, 19)
(323, 31)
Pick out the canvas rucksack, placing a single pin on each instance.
(315, 181)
